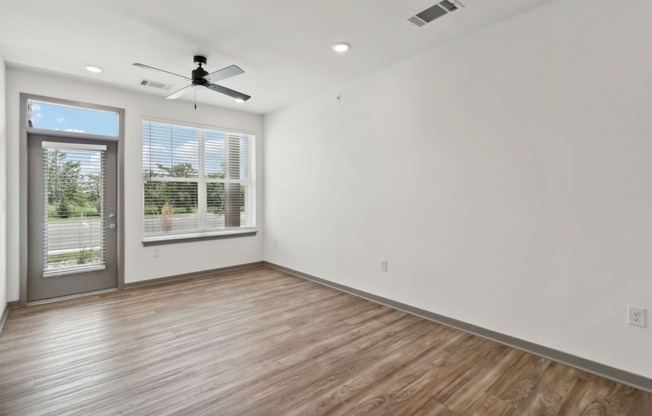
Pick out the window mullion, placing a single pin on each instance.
(202, 200)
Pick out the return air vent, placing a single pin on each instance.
(435, 12)
(154, 84)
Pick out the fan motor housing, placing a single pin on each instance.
(198, 74)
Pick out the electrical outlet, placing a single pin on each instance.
(275, 242)
(156, 253)
(637, 316)
(383, 265)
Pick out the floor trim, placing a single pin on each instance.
(602, 370)
(16, 304)
(4, 316)
(191, 275)
(73, 296)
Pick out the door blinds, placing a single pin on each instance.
(73, 198)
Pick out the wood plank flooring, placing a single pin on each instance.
(261, 342)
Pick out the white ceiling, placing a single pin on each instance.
(283, 45)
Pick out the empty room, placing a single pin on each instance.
(277, 208)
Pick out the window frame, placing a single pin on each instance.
(203, 180)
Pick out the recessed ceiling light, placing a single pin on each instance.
(341, 47)
(93, 69)
(239, 100)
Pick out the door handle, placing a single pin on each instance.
(112, 226)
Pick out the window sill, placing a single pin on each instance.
(185, 238)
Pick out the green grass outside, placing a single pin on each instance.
(83, 256)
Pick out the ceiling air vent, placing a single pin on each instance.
(438, 10)
(154, 84)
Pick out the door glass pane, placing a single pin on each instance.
(74, 208)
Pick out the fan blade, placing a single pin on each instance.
(229, 92)
(224, 73)
(161, 70)
(179, 93)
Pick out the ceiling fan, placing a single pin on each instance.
(201, 78)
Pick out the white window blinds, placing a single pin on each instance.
(196, 180)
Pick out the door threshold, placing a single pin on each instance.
(69, 297)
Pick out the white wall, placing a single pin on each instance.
(139, 261)
(3, 191)
(506, 177)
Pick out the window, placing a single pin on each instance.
(197, 182)
(71, 119)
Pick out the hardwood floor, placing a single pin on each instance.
(261, 342)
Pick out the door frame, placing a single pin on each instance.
(23, 171)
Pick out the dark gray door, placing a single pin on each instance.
(72, 224)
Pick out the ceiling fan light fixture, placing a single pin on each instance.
(93, 69)
(341, 47)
